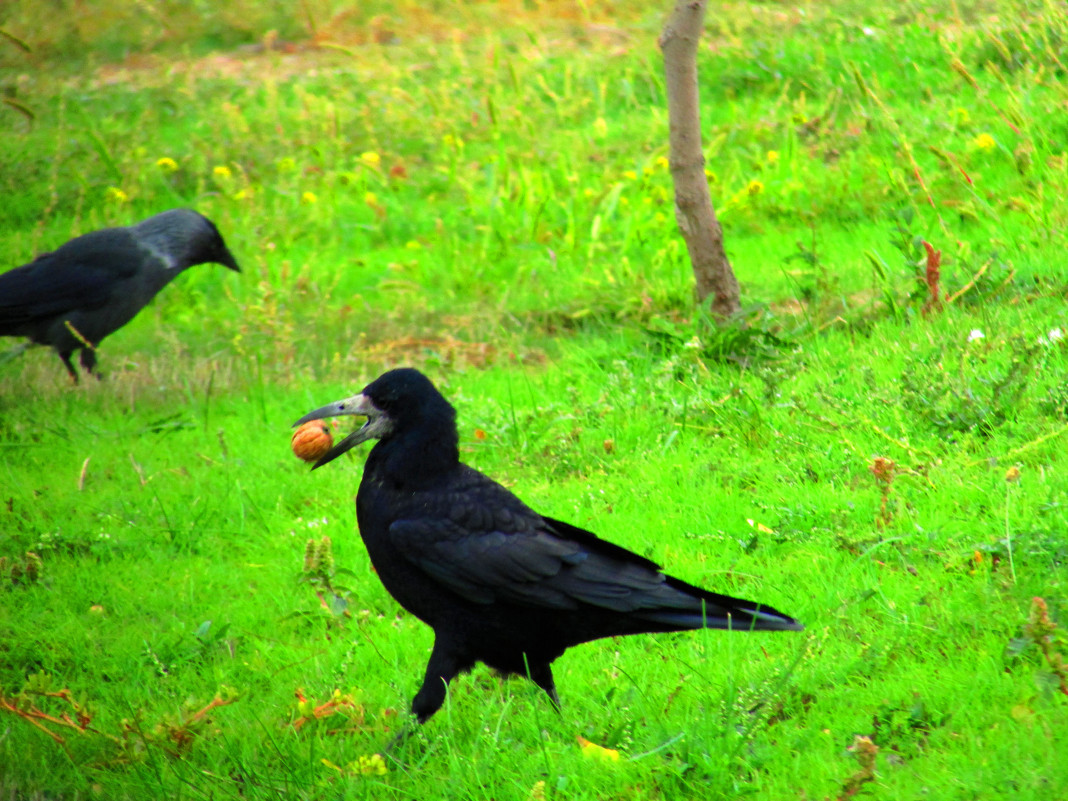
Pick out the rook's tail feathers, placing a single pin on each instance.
(702, 609)
(764, 619)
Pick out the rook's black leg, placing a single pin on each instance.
(440, 670)
(542, 675)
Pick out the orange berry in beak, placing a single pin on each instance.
(312, 441)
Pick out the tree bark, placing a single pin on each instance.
(693, 203)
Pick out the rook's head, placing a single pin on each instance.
(394, 402)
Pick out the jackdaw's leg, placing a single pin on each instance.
(65, 356)
(88, 360)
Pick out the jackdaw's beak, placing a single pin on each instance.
(226, 259)
(377, 424)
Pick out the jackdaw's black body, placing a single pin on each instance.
(498, 582)
(95, 284)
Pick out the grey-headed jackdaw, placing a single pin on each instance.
(73, 297)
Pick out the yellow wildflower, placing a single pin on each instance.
(373, 765)
(370, 198)
(594, 751)
(600, 127)
(116, 195)
(222, 172)
(962, 116)
(167, 164)
(308, 198)
(711, 176)
(754, 188)
(370, 158)
(243, 194)
(663, 163)
(984, 142)
(630, 175)
(773, 157)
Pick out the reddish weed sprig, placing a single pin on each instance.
(173, 736)
(883, 469)
(24, 705)
(1042, 632)
(177, 736)
(932, 276)
(338, 703)
(865, 751)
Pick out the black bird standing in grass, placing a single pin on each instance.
(498, 582)
(93, 285)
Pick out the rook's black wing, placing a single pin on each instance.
(487, 547)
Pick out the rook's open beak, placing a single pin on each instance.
(377, 425)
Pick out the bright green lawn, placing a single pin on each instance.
(484, 194)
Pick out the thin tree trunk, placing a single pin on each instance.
(693, 204)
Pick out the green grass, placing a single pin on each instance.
(483, 194)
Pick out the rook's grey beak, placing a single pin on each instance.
(357, 404)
